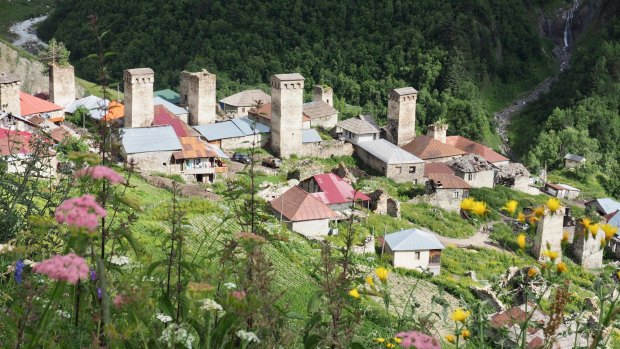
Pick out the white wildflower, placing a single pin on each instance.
(119, 260)
(247, 337)
(164, 318)
(211, 305)
(175, 334)
(229, 285)
(6, 248)
(63, 313)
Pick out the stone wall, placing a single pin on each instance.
(154, 162)
(448, 199)
(550, 230)
(327, 122)
(586, 248)
(398, 172)
(326, 149)
(244, 142)
(482, 179)
(62, 84)
(310, 228)
(9, 95)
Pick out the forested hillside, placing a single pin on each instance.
(448, 50)
(580, 115)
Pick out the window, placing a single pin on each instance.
(455, 194)
(470, 177)
(399, 169)
(411, 169)
(417, 255)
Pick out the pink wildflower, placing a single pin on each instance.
(100, 172)
(240, 295)
(82, 212)
(418, 340)
(118, 301)
(69, 268)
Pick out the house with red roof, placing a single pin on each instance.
(471, 147)
(303, 213)
(334, 191)
(31, 105)
(432, 150)
(17, 149)
(446, 190)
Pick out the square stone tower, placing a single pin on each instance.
(9, 94)
(550, 230)
(62, 84)
(198, 96)
(139, 109)
(401, 115)
(287, 97)
(587, 248)
(437, 131)
(324, 93)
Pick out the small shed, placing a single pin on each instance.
(303, 213)
(414, 249)
(357, 129)
(572, 161)
(562, 191)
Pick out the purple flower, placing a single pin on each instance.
(99, 293)
(19, 269)
(93, 274)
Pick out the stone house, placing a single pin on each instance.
(138, 146)
(471, 147)
(562, 191)
(603, 206)
(334, 191)
(513, 175)
(240, 103)
(414, 249)
(263, 115)
(572, 161)
(391, 161)
(475, 170)
(303, 213)
(358, 129)
(235, 133)
(321, 114)
(432, 150)
(446, 191)
(17, 149)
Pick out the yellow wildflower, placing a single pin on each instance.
(553, 204)
(521, 241)
(465, 333)
(354, 293)
(521, 217)
(511, 207)
(565, 237)
(539, 211)
(532, 272)
(480, 208)
(562, 268)
(593, 228)
(397, 340)
(585, 222)
(603, 243)
(553, 255)
(467, 204)
(380, 340)
(389, 345)
(618, 274)
(450, 338)
(369, 281)
(382, 274)
(460, 315)
(533, 220)
(609, 230)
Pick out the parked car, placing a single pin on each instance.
(242, 158)
(272, 162)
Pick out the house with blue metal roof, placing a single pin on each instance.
(603, 206)
(235, 133)
(414, 249)
(150, 148)
(391, 161)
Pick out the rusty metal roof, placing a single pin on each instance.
(472, 147)
(193, 148)
(448, 181)
(297, 205)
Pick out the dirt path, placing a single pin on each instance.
(480, 239)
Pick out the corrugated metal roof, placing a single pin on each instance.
(608, 205)
(217, 150)
(13, 143)
(32, 105)
(94, 104)
(358, 125)
(388, 152)
(569, 187)
(310, 136)
(334, 190)
(162, 116)
(168, 95)
(297, 205)
(436, 167)
(574, 157)
(614, 220)
(149, 139)
(175, 109)
(239, 127)
(247, 98)
(413, 240)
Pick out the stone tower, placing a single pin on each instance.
(437, 131)
(287, 96)
(62, 84)
(550, 230)
(324, 93)
(139, 107)
(401, 115)
(198, 96)
(9, 94)
(587, 249)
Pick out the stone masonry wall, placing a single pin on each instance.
(550, 230)
(9, 96)
(154, 162)
(62, 84)
(326, 149)
(586, 248)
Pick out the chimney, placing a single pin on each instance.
(61, 84)
(139, 109)
(9, 94)
(437, 131)
(324, 93)
(198, 96)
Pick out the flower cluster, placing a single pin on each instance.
(476, 207)
(82, 212)
(119, 260)
(163, 318)
(100, 172)
(211, 305)
(248, 337)
(6, 248)
(175, 334)
(69, 268)
(63, 313)
(229, 285)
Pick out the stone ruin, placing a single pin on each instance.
(549, 233)
(382, 203)
(587, 249)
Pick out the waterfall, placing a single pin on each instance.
(569, 23)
